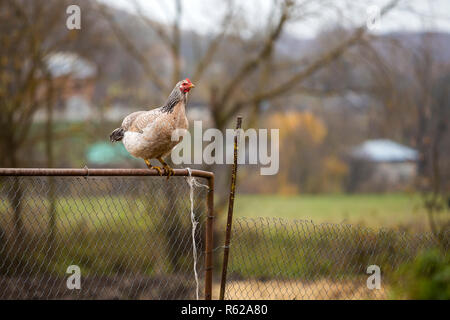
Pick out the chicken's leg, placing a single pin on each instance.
(168, 169)
(149, 165)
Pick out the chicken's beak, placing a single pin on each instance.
(191, 86)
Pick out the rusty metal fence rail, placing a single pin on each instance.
(287, 259)
(127, 230)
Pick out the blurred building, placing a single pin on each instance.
(382, 165)
(74, 79)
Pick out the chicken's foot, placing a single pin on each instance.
(167, 168)
(149, 165)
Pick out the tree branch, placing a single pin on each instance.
(213, 46)
(132, 49)
(318, 64)
(252, 63)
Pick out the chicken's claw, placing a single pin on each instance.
(167, 168)
(170, 171)
(149, 165)
(158, 169)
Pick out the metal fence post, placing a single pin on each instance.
(230, 214)
(209, 239)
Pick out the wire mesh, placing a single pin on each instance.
(290, 259)
(130, 237)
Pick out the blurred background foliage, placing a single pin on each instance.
(327, 93)
(359, 111)
(363, 114)
(428, 277)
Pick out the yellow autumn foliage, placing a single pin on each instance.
(331, 175)
(303, 123)
(306, 164)
(334, 167)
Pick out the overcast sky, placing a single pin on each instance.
(203, 15)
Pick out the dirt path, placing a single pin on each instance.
(298, 290)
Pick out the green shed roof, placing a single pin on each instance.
(107, 153)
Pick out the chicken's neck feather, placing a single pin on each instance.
(175, 97)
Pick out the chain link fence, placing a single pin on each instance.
(130, 234)
(285, 259)
(131, 237)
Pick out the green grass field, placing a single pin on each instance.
(116, 234)
(374, 210)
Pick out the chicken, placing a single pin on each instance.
(147, 134)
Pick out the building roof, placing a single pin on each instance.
(65, 63)
(102, 153)
(384, 150)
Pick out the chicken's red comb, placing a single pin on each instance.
(187, 79)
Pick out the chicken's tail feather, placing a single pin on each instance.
(117, 135)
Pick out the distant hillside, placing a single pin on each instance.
(438, 41)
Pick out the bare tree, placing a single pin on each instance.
(252, 72)
(27, 36)
(226, 95)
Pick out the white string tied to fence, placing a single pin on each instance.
(194, 183)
